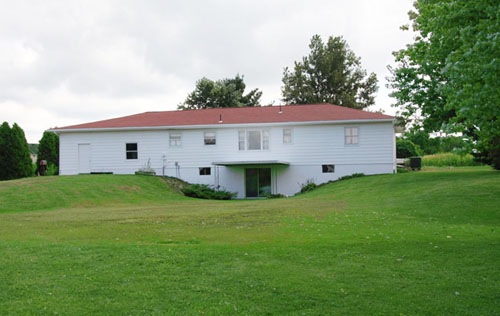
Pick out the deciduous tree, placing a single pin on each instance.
(448, 79)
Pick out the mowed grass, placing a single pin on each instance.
(420, 243)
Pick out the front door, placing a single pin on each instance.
(257, 182)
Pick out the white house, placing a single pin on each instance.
(253, 151)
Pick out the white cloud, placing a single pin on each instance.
(67, 62)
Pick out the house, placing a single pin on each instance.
(254, 151)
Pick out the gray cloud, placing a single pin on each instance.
(64, 62)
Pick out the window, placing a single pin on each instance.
(209, 138)
(241, 140)
(254, 140)
(131, 151)
(351, 135)
(175, 140)
(328, 168)
(287, 136)
(265, 139)
(205, 171)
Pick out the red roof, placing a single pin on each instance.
(245, 115)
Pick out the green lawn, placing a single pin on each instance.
(420, 243)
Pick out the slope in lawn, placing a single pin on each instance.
(44, 193)
(424, 243)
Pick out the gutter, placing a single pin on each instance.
(213, 126)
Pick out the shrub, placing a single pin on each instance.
(354, 175)
(308, 186)
(448, 160)
(403, 170)
(203, 191)
(406, 148)
(276, 196)
(52, 170)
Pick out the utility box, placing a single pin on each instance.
(416, 163)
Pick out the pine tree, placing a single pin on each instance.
(23, 166)
(332, 73)
(15, 160)
(48, 149)
(5, 151)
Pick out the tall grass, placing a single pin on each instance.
(448, 160)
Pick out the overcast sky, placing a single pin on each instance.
(67, 62)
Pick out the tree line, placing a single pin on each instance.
(15, 157)
(331, 73)
(445, 82)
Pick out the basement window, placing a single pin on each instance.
(328, 168)
(205, 171)
(131, 151)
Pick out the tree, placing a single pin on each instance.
(435, 145)
(331, 73)
(406, 148)
(23, 166)
(223, 93)
(48, 149)
(15, 160)
(5, 151)
(447, 80)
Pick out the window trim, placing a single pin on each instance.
(131, 152)
(351, 139)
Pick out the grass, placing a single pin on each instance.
(420, 243)
(448, 160)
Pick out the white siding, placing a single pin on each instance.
(311, 147)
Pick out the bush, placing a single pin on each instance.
(448, 160)
(406, 148)
(354, 175)
(276, 196)
(203, 191)
(52, 170)
(308, 186)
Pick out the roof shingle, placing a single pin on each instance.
(224, 116)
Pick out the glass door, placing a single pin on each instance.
(257, 182)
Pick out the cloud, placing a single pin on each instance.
(66, 62)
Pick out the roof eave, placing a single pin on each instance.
(219, 125)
